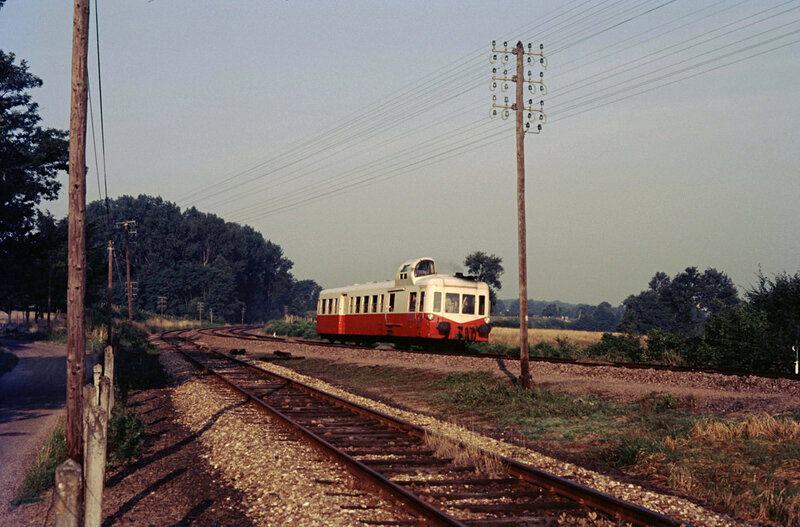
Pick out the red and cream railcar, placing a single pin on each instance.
(416, 307)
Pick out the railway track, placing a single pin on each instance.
(246, 333)
(400, 459)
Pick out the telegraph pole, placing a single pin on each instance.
(127, 224)
(200, 310)
(523, 125)
(162, 302)
(108, 295)
(76, 279)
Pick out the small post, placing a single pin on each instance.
(95, 466)
(105, 395)
(89, 400)
(108, 371)
(68, 494)
(98, 372)
(796, 349)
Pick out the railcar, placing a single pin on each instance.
(418, 307)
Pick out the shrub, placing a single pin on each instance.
(126, 437)
(618, 348)
(296, 328)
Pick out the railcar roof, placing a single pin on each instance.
(445, 280)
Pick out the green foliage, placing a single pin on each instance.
(41, 473)
(126, 435)
(680, 305)
(30, 159)
(136, 362)
(626, 348)
(296, 328)
(7, 361)
(191, 256)
(487, 268)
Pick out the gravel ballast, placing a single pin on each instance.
(284, 481)
(666, 504)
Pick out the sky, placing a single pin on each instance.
(357, 135)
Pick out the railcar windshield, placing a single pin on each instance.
(424, 268)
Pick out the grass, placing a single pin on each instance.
(159, 324)
(510, 336)
(7, 361)
(41, 472)
(749, 468)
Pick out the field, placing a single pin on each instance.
(510, 336)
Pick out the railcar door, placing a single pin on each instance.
(342, 309)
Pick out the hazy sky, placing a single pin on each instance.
(357, 135)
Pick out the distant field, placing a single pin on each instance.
(510, 336)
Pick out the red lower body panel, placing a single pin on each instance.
(410, 325)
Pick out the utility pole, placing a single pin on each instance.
(162, 303)
(129, 226)
(108, 295)
(211, 314)
(76, 278)
(200, 310)
(49, 290)
(523, 125)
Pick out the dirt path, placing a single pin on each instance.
(32, 397)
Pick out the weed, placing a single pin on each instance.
(295, 328)
(41, 472)
(126, 437)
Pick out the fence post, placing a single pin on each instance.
(95, 466)
(105, 395)
(108, 371)
(98, 372)
(88, 402)
(68, 494)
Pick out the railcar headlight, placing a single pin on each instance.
(487, 320)
(429, 316)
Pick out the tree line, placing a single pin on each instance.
(186, 256)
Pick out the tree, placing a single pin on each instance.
(30, 158)
(487, 268)
(680, 305)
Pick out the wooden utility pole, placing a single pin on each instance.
(128, 273)
(523, 113)
(524, 365)
(108, 296)
(76, 278)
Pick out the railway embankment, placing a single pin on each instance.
(699, 436)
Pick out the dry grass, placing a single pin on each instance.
(158, 324)
(510, 336)
(761, 426)
(465, 454)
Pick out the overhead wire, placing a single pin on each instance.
(685, 69)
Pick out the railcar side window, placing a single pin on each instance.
(422, 301)
(412, 302)
(366, 304)
(374, 303)
(330, 306)
(350, 309)
(468, 304)
(358, 304)
(451, 303)
(380, 307)
(336, 306)
(437, 302)
(391, 302)
(482, 305)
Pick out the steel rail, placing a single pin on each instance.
(590, 497)
(428, 511)
(556, 360)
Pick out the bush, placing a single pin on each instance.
(136, 362)
(7, 361)
(296, 328)
(618, 348)
(126, 438)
